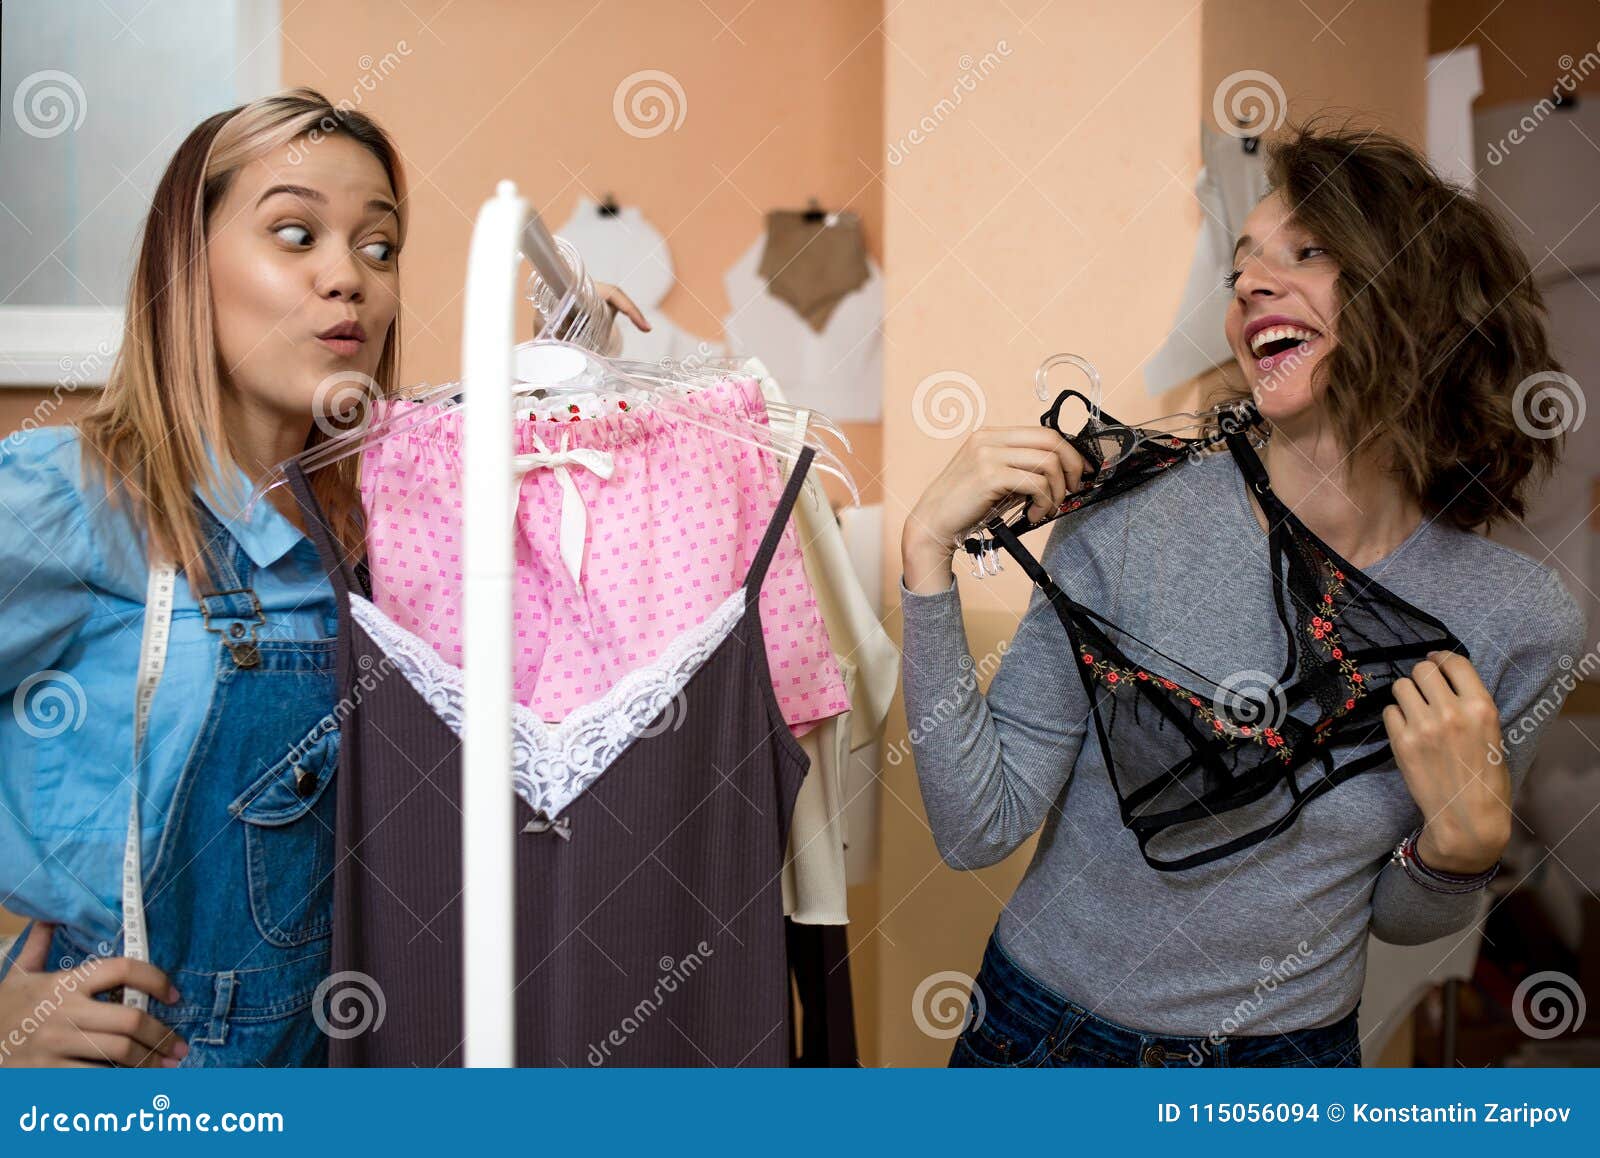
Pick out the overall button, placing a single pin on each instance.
(236, 630)
(1154, 1055)
(305, 781)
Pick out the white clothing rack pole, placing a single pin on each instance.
(487, 820)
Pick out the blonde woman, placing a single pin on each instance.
(267, 278)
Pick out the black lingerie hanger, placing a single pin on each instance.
(1104, 440)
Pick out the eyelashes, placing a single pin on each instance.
(302, 239)
(1233, 276)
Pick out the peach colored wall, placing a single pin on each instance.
(1053, 211)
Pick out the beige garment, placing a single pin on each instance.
(813, 265)
(814, 883)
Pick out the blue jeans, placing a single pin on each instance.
(1014, 1020)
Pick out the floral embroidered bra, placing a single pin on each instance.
(1241, 757)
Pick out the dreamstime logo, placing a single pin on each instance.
(1547, 404)
(348, 1004)
(1573, 73)
(972, 71)
(372, 71)
(945, 1003)
(648, 103)
(1548, 1004)
(930, 722)
(1273, 974)
(948, 404)
(340, 403)
(48, 103)
(1250, 698)
(75, 372)
(1232, 418)
(67, 977)
(1249, 103)
(1548, 704)
(49, 703)
(1276, 373)
(673, 974)
(705, 356)
(669, 718)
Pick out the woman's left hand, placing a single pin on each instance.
(1443, 727)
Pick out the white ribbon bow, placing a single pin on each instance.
(574, 515)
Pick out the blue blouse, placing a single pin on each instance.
(72, 593)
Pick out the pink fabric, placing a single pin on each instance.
(670, 535)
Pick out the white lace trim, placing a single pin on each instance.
(554, 763)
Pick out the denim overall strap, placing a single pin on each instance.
(239, 893)
(344, 577)
(231, 608)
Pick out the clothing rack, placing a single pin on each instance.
(506, 230)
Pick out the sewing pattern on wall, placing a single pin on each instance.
(1204, 767)
(813, 260)
(807, 299)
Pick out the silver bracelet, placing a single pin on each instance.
(1405, 855)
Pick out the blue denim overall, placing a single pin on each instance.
(239, 896)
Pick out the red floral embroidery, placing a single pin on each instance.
(1113, 676)
(1323, 629)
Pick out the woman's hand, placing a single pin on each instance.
(994, 467)
(622, 304)
(51, 1019)
(1442, 727)
(616, 302)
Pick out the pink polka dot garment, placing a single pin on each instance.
(670, 535)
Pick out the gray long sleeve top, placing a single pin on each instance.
(1272, 938)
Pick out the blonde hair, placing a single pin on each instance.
(160, 413)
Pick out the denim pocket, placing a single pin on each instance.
(288, 817)
(1001, 1036)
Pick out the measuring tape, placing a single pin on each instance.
(152, 659)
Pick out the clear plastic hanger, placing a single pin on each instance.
(683, 381)
(708, 370)
(574, 321)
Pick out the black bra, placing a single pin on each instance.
(1242, 757)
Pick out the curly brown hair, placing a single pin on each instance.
(1441, 357)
